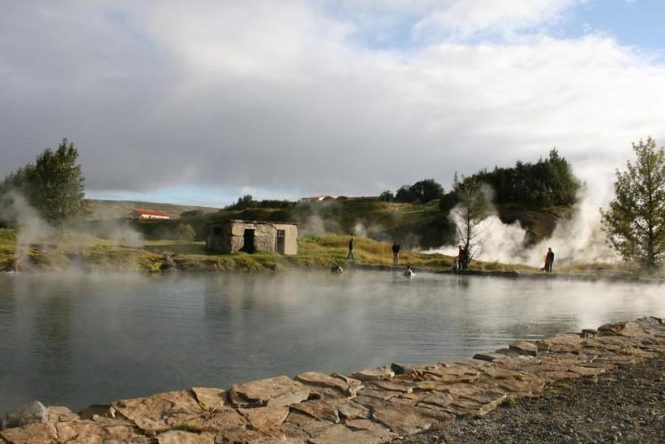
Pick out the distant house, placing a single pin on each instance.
(249, 236)
(317, 198)
(148, 214)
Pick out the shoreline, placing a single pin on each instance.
(373, 405)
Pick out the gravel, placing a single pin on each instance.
(626, 405)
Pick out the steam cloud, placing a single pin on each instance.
(577, 239)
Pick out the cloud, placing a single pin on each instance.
(463, 19)
(283, 98)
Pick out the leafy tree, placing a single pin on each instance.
(387, 196)
(472, 208)
(635, 220)
(420, 192)
(546, 183)
(246, 201)
(53, 184)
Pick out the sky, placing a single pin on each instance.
(200, 101)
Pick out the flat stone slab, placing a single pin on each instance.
(366, 433)
(374, 374)
(92, 432)
(265, 419)
(182, 437)
(160, 412)
(524, 348)
(327, 386)
(271, 392)
(209, 398)
(324, 410)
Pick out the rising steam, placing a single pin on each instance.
(576, 239)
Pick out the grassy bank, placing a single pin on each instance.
(71, 249)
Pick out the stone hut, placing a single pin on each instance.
(250, 236)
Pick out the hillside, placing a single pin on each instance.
(413, 225)
(113, 209)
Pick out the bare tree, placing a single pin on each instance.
(472, 208)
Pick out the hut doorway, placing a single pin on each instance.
(280, 245)
(248, 245)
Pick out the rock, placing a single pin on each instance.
(405, 419)
(621, 329)
(375, 374)
(96, 410)
(351, 410)
(338, 433)
(329, 386)
(489, 357)
(93, 432)
(160, 412)
(401, 369)
(265, 419)
(182, 437)
(35, 433)
(589, 332)
(524, 348)
(60, 414)
(29, 413)
(324, 410)
(209, 399)
(393, 386)
(271, 392)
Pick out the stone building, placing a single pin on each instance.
(250, 236)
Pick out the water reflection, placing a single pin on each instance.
(80, 339)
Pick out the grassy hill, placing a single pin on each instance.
(415, 226)
(113, 209)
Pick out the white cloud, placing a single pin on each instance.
(280, 98)
(464, 18)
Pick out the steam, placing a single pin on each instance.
(32, 229)
(576, 239)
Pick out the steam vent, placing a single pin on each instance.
(250, 236)
(367, 406)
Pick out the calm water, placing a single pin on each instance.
(78, 339)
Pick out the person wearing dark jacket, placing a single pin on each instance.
(396, 249)
(350, 255)
(549, 260)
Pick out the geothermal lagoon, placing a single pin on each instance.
(76, 339)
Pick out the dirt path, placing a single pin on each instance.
(626, 405)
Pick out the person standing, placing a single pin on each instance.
(396, 249)
(460, 258)
(549, 260)
(350, 255)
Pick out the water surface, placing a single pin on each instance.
(79, 339)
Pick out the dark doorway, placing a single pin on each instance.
(281, 241)
(248, 241)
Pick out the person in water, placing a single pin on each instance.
(396, 249)
(549, 260)
(408, 272)
(350, 255)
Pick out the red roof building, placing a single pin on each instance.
(148, 214)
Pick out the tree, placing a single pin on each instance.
(635, 220)
(420, 192)
(53, 185)
(472, 208)
(387, 196)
